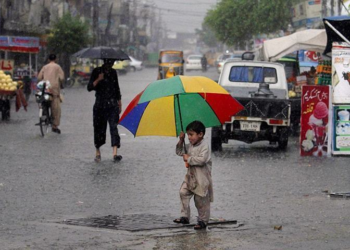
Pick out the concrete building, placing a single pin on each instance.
(308, 14)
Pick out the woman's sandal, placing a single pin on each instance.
(182, 220)
(97, 158)
(117, 158)
(200, 225)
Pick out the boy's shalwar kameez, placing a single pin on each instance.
(198, 181)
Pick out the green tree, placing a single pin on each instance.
(273, 15)
(68, 36)
(236, 21)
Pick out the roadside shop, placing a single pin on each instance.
(10, 87)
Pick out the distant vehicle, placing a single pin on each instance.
(193, 62)
(122, 67)
(171, 63)
(221, 60)
(135, 64)
(77, 77)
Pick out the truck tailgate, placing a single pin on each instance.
(264, 108)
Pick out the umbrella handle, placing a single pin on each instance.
(186, 163)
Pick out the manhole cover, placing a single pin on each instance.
(134, 222)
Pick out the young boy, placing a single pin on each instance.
(198, 182)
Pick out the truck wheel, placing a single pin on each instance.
(283, 138)
(282, 144)
(216, 142)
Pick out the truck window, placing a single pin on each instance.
(251, 74)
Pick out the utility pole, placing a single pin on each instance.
(95, 24)
(339, 7)
(324, 8)
(108, 27)
(332, 7)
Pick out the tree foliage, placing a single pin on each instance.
(68, 35)
(273, 15)
(236, 21)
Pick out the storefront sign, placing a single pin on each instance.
(19, 44)
(315, 125)
(7, 66)
(341, 75)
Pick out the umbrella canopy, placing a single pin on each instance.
(337, 28)
(311, 39)
(167, 106)
(77, 54)
(102, 52)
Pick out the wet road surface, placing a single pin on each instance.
(52, 179)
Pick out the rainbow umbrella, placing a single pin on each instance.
(167, 106)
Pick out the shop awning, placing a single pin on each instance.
(311, 39)
(19, 44)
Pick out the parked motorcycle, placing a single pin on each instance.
(78, 77)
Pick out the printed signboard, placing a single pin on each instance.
(341, 130)
(341, 75)
(315, 124)
(7, 66)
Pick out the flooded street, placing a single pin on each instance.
(278, 198)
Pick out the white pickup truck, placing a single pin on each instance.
(262, 89)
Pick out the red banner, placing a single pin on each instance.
(315, 113)
(19, 44)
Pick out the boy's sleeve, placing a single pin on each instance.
(200, 159)
(180, 149)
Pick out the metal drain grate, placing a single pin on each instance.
(134, 222)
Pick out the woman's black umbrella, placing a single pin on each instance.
(102, 52)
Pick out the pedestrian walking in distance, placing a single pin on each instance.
(53, 73)
(107, 107)
(198, 181)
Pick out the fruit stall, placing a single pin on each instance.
(9, 89)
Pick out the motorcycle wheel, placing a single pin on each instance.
(283, 138)
(70, 82)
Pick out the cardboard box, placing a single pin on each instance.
(301, 80)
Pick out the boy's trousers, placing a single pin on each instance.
(202, 204)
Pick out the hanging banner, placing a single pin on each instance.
(19, 44)
(341, 130)
(315, 124)
(4, 41)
